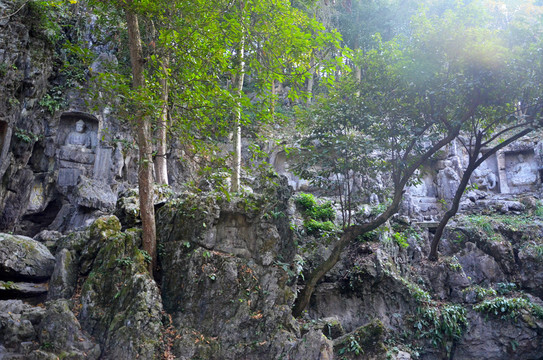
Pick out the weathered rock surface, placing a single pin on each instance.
(24, 258)
(49, 332)
(64, 279)
(95, 194)
(61, 332)
(489, 337)
(224, 277)
(9, 289)
(120, 302)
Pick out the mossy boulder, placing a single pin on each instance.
(227, 275)
(64, 279)
(120, 302)
(366, 342)
(23, 258)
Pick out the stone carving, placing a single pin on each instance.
(79, 137)
(521, 173)
(484, 177)
(77, 155)
(447, 183)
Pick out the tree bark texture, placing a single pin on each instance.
(161, 164)
(143, 131)
(237, 121)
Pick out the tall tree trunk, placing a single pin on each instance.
(161, 165)
(143, 130)
(237, 121)
(472, 165)
(311, 80)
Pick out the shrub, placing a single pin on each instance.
(506, 308)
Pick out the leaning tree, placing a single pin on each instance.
(416, 95)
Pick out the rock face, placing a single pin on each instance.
(227, 278)
(62, 333)
(120, 302)
(22, 258)
(28, 332)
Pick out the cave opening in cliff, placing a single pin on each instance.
(3, 133)
(39, 221)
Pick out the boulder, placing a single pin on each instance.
(21, 289)
(314, 345)
(17, 327)
(478, 266)
(60, 332)
(120, 302)
(64, 279)
(22, 258)
(489, 337)
(94, 194)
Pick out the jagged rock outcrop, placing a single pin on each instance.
(49, 332)
(120, 302)
(227, 277)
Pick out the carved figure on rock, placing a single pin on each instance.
(491, 180)
(447, 183)
(484, 177)
(79, 137)
(522, 173)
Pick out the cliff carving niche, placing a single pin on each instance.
(77, 142)
(521, 171)
(486, 176)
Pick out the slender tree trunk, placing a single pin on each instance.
(311, 80)
(143, 130)
(237, 122)
(273, 94)
(472, 165)
(456, 200)
(161, 164)
(349, 235)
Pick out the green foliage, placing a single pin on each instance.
(146, 257)
(306, 201)
(47, 346)
(316, 227)
(379, 209)
(48, 17)
(54, 100)
(421, 296)
(480, 292)
(317, 217)
(505, 288)
(539, 209)
(453, 264)
(309, 205)
(351, 345)
(124, 262)
(26, 136)
(441, 324)
(505, 308)
(400, 239)
(3, 69)
(483, 223)
(7, 285)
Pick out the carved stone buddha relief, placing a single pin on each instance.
(77, 142)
